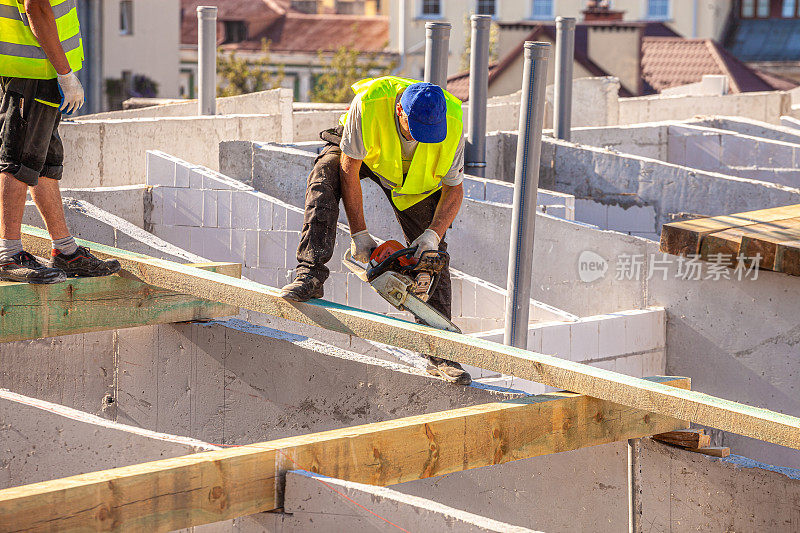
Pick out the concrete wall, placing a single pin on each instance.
(763, 106)
(681, 491)
(754, 128)
(128, 202)
(224, 382)
(43, 440)
(271, 102)
(112, 152)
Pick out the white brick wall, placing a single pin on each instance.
(629, 342)
(555, 203)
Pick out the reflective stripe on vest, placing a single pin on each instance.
(20, 53)
(430, 163)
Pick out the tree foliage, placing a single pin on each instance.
(494, 35)
(242, 76)
(346, 67)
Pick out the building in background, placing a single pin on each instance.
(297, 31)
(766, 35)
(704, 19)
(132, 49)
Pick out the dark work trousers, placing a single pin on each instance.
(318, 236)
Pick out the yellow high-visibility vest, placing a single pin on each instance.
(431, 161)
(20, 53)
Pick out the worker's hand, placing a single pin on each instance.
(429, 240)
(71, 92)
(362, 245)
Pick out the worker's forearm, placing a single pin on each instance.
(43, 27)
(351, 193)
(447, 208)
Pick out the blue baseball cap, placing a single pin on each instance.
(427, 112)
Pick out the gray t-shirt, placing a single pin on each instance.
(352, 145)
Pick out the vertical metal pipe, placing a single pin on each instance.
(437, 46)
(401, 36)
(565, 56)
(634, 486)
(207, 60)
(475, 156)
(526, 184)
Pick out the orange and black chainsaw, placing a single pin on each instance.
(403, 281)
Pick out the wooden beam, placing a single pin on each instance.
(93, 304)
(212, 486)
(697, 407)
(692, 438)
(684, 238)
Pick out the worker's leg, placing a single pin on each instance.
(22, 154)
(66, 255)
(414, 221)
(318, 235)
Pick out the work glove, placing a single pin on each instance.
(71, 92)
(361, 246)
(429, 240)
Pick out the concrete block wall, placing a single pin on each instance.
(629, 342)
(271, 102)
(764, 106)
(734, 154)
(626, 181)
(645, 140)
(111, 152)
(746, 126)
(221, 219)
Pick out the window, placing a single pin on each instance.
(235, 31)
(485, 7)
(748, 9)
(788, 10)
(126, 17)
(762, 11)
(542, 9)
(658, 9)
(431, 8)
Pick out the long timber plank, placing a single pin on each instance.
(696, 407)
(761, 239)
(93, 304)
(685, 238)
(213, 486)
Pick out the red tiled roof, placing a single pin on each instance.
(288, 30)
(297, 32)
(673, 61)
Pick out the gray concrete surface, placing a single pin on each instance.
(318, 502)
(43, 441)
(224, 382)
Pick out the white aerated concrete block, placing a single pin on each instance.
(455, 298)
(188, 207)
(181, 175)
(271, 249)
(534, 339)
(160, 169)
(556, 340)
(217, 245)
(168, 215)
(238, 245)
(224, 208)
(611, 339)
(210, 208)
(244, 211)
(251, 248)
(157, 209)
(177, 235)
(585, 340)
(278, 217)
(265, 208)
(468, 306)
(294, 219)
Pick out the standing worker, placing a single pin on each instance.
(40, 51)
(408, 135)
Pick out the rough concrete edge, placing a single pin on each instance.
(81, 416)
(374, 493)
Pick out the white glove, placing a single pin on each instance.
(72, 92)
(429, 240)
(361, 246)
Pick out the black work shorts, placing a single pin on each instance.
(29, 143)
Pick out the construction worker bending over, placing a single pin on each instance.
(40, 51)
(407, 137)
